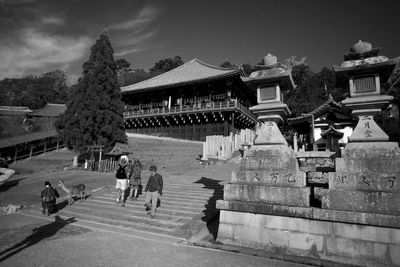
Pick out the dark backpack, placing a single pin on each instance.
(48, 196)
(121, 172)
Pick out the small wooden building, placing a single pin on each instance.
(45, 117)
(190, 102)
(325, 128)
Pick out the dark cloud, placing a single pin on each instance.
(39, 36)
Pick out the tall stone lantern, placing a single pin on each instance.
(270, 80)
(269, 173)
(364, 71)
(368, 172)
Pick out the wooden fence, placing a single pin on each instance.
(28, 152)
(107, 165)
(222, 147)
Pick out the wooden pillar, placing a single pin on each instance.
(45, 146)
(15, 154)
(58, 144)
(193, 133)
(233, 123)
(100, 152)
(30, 151)
(226, 128)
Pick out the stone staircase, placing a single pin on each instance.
(188, 202)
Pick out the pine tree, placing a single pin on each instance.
(94, 112)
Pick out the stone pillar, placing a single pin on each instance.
(75, 162)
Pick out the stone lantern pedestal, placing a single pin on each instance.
(365, 108)
(266, 205)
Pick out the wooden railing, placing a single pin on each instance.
(199, 107)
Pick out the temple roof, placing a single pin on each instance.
(26, 138)
(316, 112)
(331, 131)
(191, 72)
(120, 149)
(50, 110)
(13, 110)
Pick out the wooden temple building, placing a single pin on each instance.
(190, 102)
(327, 128)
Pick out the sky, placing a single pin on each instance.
(39, 36)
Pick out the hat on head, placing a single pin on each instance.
(47, 183)
(153, 168)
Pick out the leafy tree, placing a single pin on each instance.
(94, 112)
(226, 64)
(391, 118)
(34, 92)
(136, 76)
(165, 65)
(247, 68)
(123, 66)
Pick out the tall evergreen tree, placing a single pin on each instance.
(94, 112)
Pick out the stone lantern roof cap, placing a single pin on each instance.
(363, 59)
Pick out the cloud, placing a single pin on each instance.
(135, 34)
(16, 2)
(145, 16)
(56, 21)
(37, 52)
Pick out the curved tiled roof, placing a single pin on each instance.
(26, 138)
(13, 110)
(193, 71)
(50, 110)
(316, 112)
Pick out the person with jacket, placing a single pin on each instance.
(154, 187)
(49, 197)
(135, 179)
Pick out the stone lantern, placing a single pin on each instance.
(365, 71)
(367, 173)
(270, 80)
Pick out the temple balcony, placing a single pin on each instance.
(143, 111)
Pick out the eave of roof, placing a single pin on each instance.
(21, 139)
(50, 110)
(192, 72)
(331, 130)
(120, 149)
(316, 112)
(14, 110)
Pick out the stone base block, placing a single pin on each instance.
(358, 218)
(362, 201)
(343, 243)
(291, 196)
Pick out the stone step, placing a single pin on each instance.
(178, 197)
(139, 204)
(105, 227)
(139, 208)
(181, 203)
(149, 225)
(122, 214)
(172, 201)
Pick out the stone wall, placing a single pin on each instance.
(327, 240)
